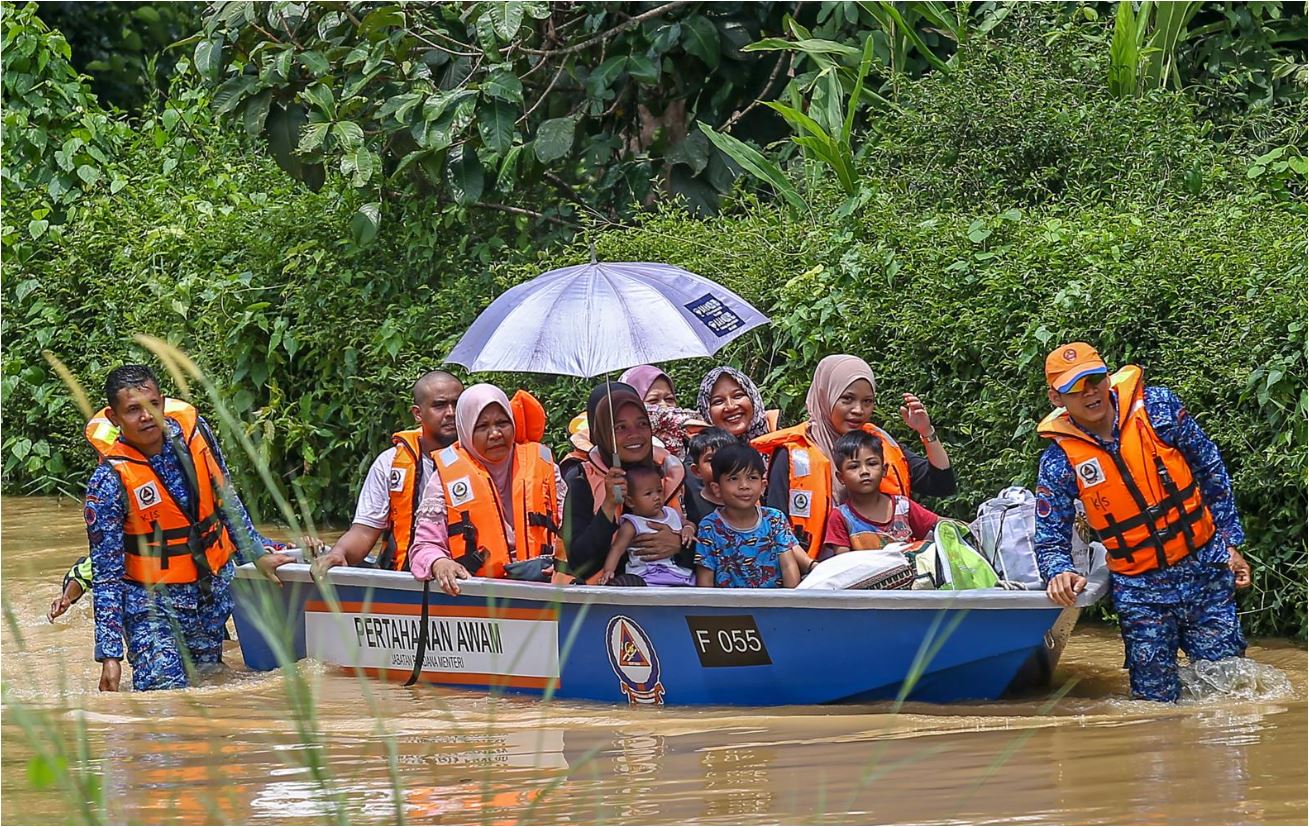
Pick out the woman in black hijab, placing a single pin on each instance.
(619, 426)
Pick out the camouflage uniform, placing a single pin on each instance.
(1190, 605)
(164, 625)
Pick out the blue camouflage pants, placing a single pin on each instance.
(1202, 623)
(172, 630)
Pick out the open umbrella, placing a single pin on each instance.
(594, 318)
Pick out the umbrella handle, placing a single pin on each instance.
(613, 433)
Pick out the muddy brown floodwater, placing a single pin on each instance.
(233, 750)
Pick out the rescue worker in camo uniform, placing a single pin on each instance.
(159, 519)
(1158, 497)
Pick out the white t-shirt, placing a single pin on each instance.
(374, 505)
(670, 518)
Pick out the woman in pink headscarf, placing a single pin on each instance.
(652, 385)
(493, 507)
(802, 480)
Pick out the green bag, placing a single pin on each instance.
(950, 561)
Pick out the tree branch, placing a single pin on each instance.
(603, 36)
(784, 57)
(505, 208)
(564, 187)
(544, 95)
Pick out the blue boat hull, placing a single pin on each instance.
(662, 646)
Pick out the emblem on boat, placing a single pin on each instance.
(633, 658)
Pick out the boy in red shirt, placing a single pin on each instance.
(868, 518)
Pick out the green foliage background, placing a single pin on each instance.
(1008, 205)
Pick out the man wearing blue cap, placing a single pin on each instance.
(1158, 497)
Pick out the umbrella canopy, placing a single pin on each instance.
(599, 317)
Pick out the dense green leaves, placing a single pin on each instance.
(603, 94)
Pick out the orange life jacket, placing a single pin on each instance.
(162, 542)
(474, 511)
(1142, 499)
(811, 478)
(405, 493)
(529, 417)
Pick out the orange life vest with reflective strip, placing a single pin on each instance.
(811, 478)
(162, 542)
(473, 510)
(1142, 500)
(404, 492)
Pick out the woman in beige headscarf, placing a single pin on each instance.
(802, 481)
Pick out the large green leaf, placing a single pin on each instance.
(505, 85)
(643, 69)
(255, 115)
(821, 51)
(905, 30)
(700, 38)
(1170, 22)
(495, 123)
(554, 139)
(349, 133)
(507, 17)
(365, 223)
(320, 95)
(208, 58)
(856, 94)
(504, 179)
(752, 161)
(466, 177)
(360, 164)
(693, 151)
(283, 126)
(230, 94)
(312, 137)
(315, 63)
(1124, 53)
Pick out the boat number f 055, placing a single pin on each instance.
(728, 640)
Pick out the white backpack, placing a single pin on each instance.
(1006, 532)
(1005, 529)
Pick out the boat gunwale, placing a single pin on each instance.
(697, 598)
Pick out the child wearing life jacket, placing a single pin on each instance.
(701, 497)
(869, 518)
(643, 505)
(741, 544)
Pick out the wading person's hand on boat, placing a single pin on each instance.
(324, 562)
(312, 546)
(447, 574)
(1240, 567)
(269, 563)
(1064, 587)
(111, 674)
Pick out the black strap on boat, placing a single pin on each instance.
(421, 651)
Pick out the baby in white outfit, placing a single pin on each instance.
(643, 509)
